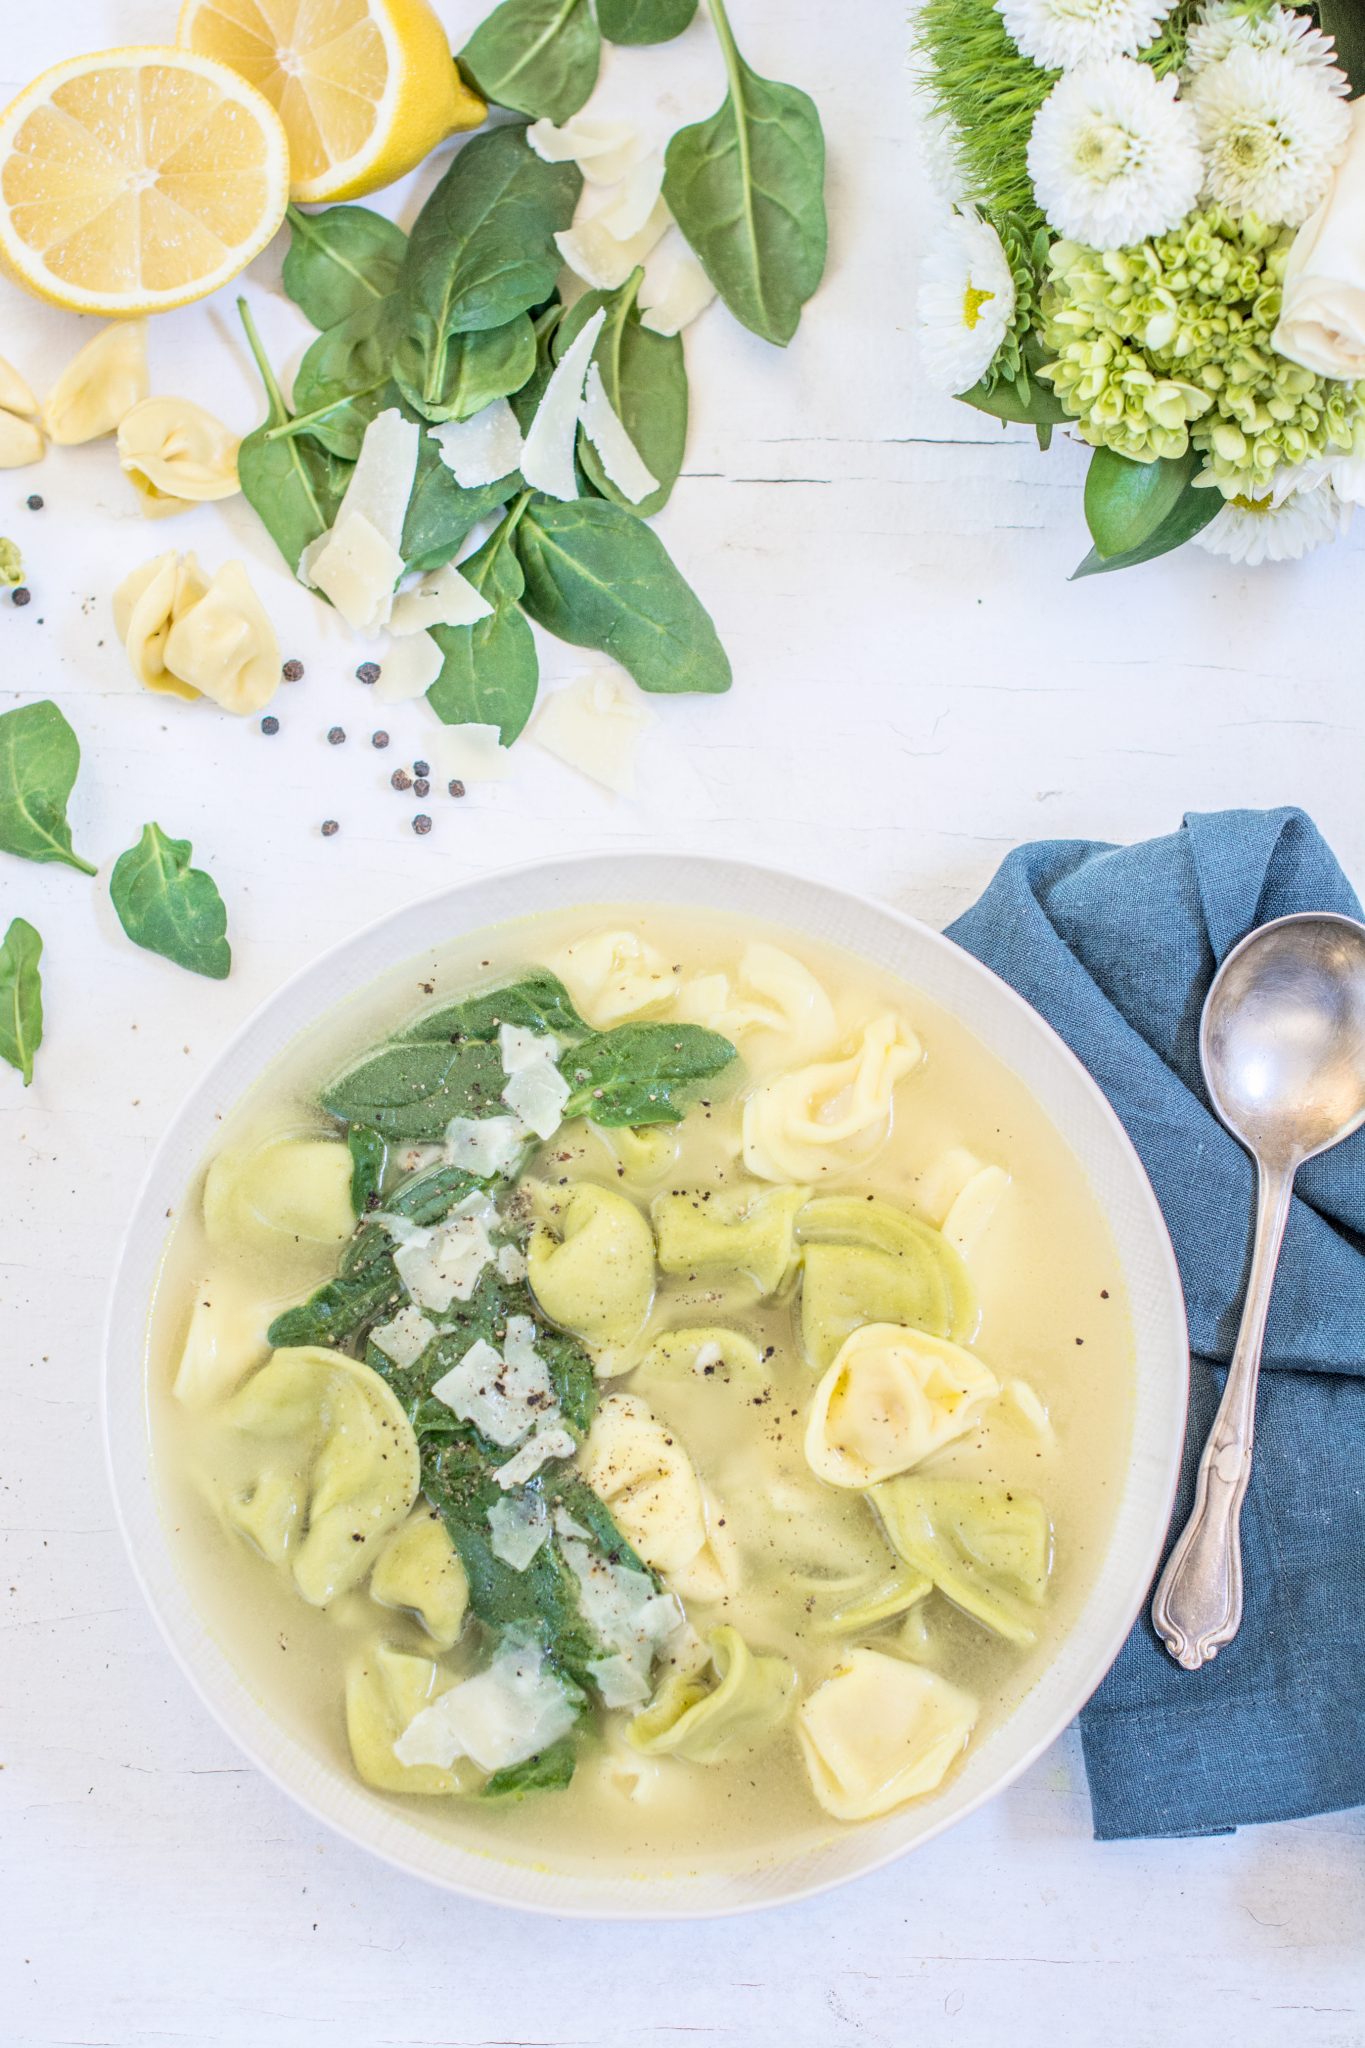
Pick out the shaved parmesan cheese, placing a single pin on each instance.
(535, 1452)
(474, 753)
(603, 150)
(625, 1611)
(408, 668)
(488, 1146)
(445, 1264)
(511, 1264)
(504, 1397)
(537, 1094)
(381, 482)
(518, 1048)
(514, 1709)
(307, 559)
(357, 570)
(621, 460)
(445, 598)
(547, 457)
(481, 449)
(675, 287)
(633, 200)
(604, 260)
(595, 725)
(518, 1528)
(405, 1338)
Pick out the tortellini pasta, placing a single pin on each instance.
(21, 437)
(419, 1571)
(289, 1192)
(197, 637)
(867, 1261)
(594, 1272)
(985, 1545)
(637, 1466)
(226, 1337)
(613, 975)
(864, 1600)
(891, 1397)
(146, 605)
(706, 1356)
(880, 1731)
(385, 1691)
(823, 1120)
(99, 385)
(711, 1722)
(746, 1230)
(775, 1008)
(176, 454)
(327, 1467)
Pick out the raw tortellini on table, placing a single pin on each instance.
(823, 1120)
(21, 435)
(591, 1267)
(198, 637)
(708, 1719)
(289, 1193)
(634, 1463)
(176, 454)
(419, 1572)
(774, 1008)
(100, 385)
(891, 1398)
(880, 1731)
(987, 1546)
(748, 1230)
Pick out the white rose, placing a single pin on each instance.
(1322, 317)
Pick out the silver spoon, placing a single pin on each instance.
(1282, 1046)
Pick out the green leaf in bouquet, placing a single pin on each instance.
(1344, 20)
(1190, 513)
(1126, 501)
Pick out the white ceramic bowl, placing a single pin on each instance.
(1009, 1029)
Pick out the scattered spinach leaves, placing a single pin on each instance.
(169, 907)
(21, 997)
(409, 1091)
(638, 1073)
(539, 57)
(491, 670)
(294, 485)
(39, 759)
(644, 21)
(549, 1770)
(538, 1002)
(645, 379)
(477, 368)
(341, 261)
(344, 380)
(369, 1155)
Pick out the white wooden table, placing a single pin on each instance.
(917, 689)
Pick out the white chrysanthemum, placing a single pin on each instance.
(1225, 26)
(1060, 34)
(1344, 473)
(966, 303)
(1272, 131)
(1275, 528)
(940, 153)
(1114, 155)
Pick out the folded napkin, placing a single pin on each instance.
(1116, 947)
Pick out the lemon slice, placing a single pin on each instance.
(134, 180)
(365, 88)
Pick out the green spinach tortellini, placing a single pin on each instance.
(709, 1721)
(290, 1191)
(385, 1690)
(708, 1356)
(987, 1546)
(591, 1265)
(327, 1466)
(880, 1731)
(869, 1262)
(737, 1230)
(419, 1571)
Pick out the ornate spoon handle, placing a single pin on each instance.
(1197, 1606)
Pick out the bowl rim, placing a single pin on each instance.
(132, 1492)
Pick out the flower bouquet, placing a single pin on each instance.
(1157, 238)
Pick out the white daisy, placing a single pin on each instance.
(1272, 131)
(939, 147)
(1060, 34)
(1255, 530)
(1225, 26)
(1114, 155)
(966, 302)
(1345, 474)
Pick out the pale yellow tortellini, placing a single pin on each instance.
(706, 1355)
(99, 385)
(880, 1731)
(196, 636)
(775, 1009)
(226, 1337)
(642, 1155)
(985, 1545)
(710, 1719)
(419, 1571)
(287, 1192)
(822, 1121)
(21, 437)
(593, 1271)
(747, 1230)
(615, 974)
(634, 1463)
(892, 1396)
(859, 1601)
(176, 454)
(146, 605)
(867, 1261)
(385, 1690)
(326, 1467)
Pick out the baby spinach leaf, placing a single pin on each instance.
(410, 1090)
(369, 1153)
(476, 369)
(39, 757)
(525, 401)
(598, 577)
(1190, 513)
(747, 189)
(537, 1001)
(644, 21)
(645, 378)
(21, 997)
(441, 513)
(340, 261)
(539, 57)
(637, 1073)
(549, 1770)
(341, 1309)
(428, 1197)
(294, 485)
(1125, 502)
(575, 1381)
(344, 380)
(169, 907)
(491, 669)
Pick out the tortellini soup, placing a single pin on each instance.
(644, 1392)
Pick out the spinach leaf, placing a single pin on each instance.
(539, 1002)
(575, 1382)
(636, 1074)
(1125, 502)
(294, 485)
(410, 1091)
(441, 513)
(342, 1308)
(491, 670)
(21, 997)
(539, 57)
(169, 907)
(344, 380)
(340, 260)
(645, 377)
(1191, 512)
(747, 189)
(524, 402)
(428, 1197)
(482, 249)
(39, 757)
(598, 577)
(476, 369)
(549, 1770)
(644, 21)
(369, 1154)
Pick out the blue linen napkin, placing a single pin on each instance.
(1116, 947)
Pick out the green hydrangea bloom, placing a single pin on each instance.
(1167, 345)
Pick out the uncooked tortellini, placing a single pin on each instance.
(326, 1465)
(176, 454)
(638, 1467)
(891, 1397)
(774, 1009)
(286, 1192)
(823, 1120)
(880, 1731)
(985, 1545)
(385, 1690)
(146, 605)
(747, 1230)
(612, 975)
(99, 385)
(198, 638)
(21, 437)
(708, 1723)
(596, 1276)
(419, 1570)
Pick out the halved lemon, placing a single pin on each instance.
(135, 180)
(365, 88)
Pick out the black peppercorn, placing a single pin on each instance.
(368, 672)
(421, 787)
(456, 788)
(336, 736)
(401, 779)
(379, 739)
(35, 503)
(421, 823)
(421, 767)
(21, 595)
(270, 725)
(292, 672)
(329, 828)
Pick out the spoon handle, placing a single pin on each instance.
(1197, 1606)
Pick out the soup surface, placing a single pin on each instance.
(640, 1389)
